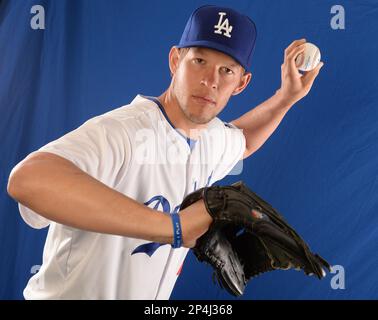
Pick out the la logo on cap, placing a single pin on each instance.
(223, 25)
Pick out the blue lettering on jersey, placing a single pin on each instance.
(161, 201)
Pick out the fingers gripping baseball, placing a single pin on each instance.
(292, 46)
(295, 85)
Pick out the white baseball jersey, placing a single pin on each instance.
(135, 150)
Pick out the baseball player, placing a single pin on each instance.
(110, 191)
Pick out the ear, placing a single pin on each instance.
(244, 81)
(174, 59)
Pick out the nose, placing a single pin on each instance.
(210, 78)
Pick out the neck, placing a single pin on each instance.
(177, 117)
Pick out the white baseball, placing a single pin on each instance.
(309, 58)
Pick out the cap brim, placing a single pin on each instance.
(215, 46)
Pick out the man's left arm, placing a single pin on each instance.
(259, 123)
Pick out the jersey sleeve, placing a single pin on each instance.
(100, 147)
(232, 148)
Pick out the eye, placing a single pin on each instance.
(199, 60)
(227, 70)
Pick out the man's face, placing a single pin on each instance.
(204, 80)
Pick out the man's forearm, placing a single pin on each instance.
(259, 123)
(58, 190)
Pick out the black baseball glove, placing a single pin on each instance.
(248, 237)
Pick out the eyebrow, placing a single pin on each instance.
(202, 51)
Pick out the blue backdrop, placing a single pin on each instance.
(319, 168)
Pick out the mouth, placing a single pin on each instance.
(204, 99)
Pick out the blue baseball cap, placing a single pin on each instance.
(222, 29)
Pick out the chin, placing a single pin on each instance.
(197, 115)
(200, 119)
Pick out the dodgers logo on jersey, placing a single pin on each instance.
(223, 25)
(160, 202)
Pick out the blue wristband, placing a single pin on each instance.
(177, 233)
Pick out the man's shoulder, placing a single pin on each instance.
(139, 107)
(139, 112)
(220, 124)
